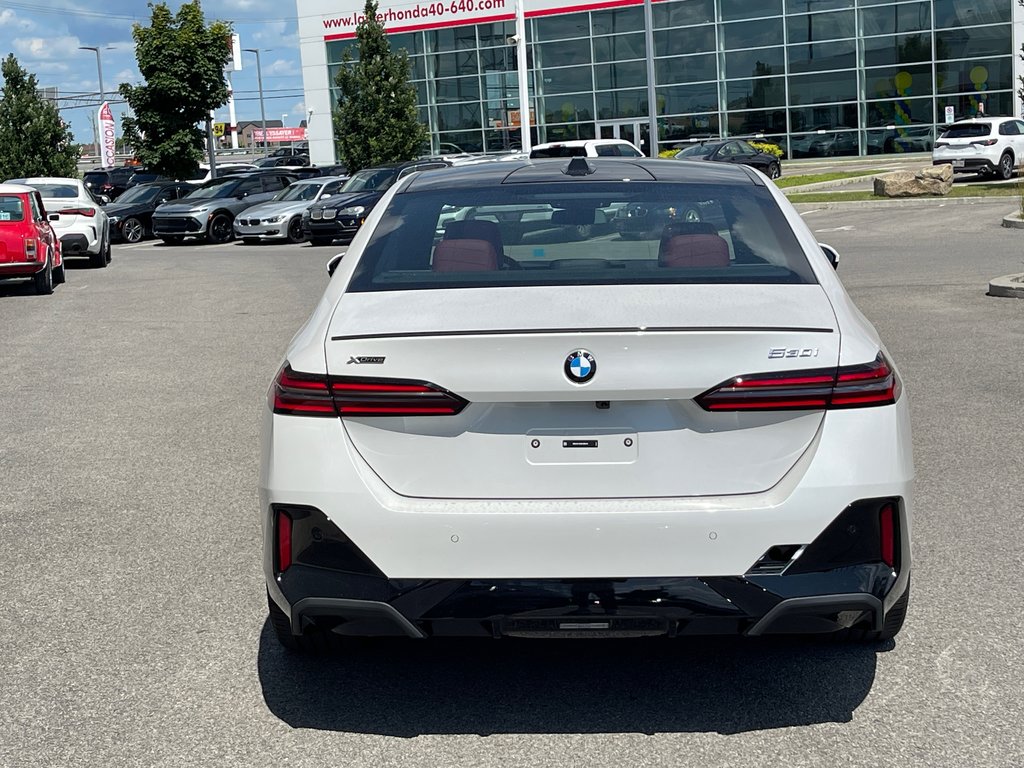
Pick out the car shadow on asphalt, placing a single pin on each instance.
(408, 688)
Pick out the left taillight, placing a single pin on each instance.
(307, 394)
(848, 386)
(90, 212)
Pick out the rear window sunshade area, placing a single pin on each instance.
(586, 233)
(972, 131)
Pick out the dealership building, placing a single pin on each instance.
(821, 77)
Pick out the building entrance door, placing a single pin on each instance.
(634, 131)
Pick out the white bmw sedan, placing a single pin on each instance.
(655, 413)
(82, 227)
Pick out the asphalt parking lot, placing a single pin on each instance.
(134, 624)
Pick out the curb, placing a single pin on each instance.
(819, 185)
(919, 202)
(1008, 286)
(1013, 221)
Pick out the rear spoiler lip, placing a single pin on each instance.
(556, 331)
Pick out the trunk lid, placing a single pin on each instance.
(633, 430)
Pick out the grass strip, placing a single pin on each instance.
(814, 178)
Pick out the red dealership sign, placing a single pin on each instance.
(280, 134)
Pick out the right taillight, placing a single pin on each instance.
(306, 394)
(849, 386)
(283, 540)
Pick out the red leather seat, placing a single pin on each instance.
(692, 245)
(464, 255)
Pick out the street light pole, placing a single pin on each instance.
(259, 83)
(103, 96)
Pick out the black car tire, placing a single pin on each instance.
(42, 281)
(220, 229)
(295, 233)
(172, 239)
(101, 258)
(314, 240)
(774, 171)
(132, 230)
(1005, 166)
(312, 640)
(59, 275)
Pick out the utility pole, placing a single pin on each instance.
(259, 83)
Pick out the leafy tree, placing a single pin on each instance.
(376, 120)
(34, 141)
(182, 60)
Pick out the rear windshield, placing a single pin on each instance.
(602, 233)
(559, 150)
(969, 131)
(95, 176)
(56, 190)
(698, 150)
(12, 208)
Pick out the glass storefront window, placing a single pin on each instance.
(564, 53)
(956, 13)
(467, 141)
(568, 27)
(616, 104)
(890, 19)
(496, 34)
(568, 80)
(748, 34)
(451, 39)
(686, 69)
(336, 50)
(617, 21)
(817, 57)
(733, 10)
(683, 13)
(755, 93)
(898, 81)
(832, 116)
(454, 117)
(916, 137)
(620, 47)
(967, 105)
(570, 107)
(898, 112)
(679, 99)
(755, 62)
(630, 74)
(679, 129)
(458, 89)
(411, 41)
(762, 121)
(811, 6)
(815, 27)
(972, 43)
(974, 76)
(823, 87)
(452, 64)
(824, 143)
(418, 68)
(674, 42)
(898, 49)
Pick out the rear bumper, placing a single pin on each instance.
(969, 164)
(76, 245)
(20, 268)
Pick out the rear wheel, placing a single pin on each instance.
(59, 276)
(774, 171)
(295, 234)
(219, 230)
(100, 259)
(1006, 166)
(132, 230)
(42, 281)
(311, 641)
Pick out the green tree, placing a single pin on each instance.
(376, 120)
(182, 61)
(34, 141)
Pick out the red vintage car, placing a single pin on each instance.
(28, 245)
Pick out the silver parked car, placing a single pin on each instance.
(281, 218)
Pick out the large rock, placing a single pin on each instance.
(930, 180)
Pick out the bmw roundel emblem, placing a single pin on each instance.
(580, 366)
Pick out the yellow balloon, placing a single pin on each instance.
(904, 79)
(979, 75)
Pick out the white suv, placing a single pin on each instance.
(83, 226)
(984, 145)
(586, 148)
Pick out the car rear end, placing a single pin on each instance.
(22, 251)
(683, 435)
(970, 147)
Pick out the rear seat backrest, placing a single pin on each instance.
(464, 255)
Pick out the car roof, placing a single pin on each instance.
(11, 189)
(604, 169)
(49, 180)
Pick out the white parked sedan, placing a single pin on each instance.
(82, 227)
(566, 433)
(281, 217)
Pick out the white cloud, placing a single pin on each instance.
(299, 109)
(9, 18)
(282, 67)
(45, 48)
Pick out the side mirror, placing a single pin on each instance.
(332, 265)
(53, 217)
(324, 197)
(104, 199)
(831, 254)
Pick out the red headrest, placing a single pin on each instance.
(464, 255)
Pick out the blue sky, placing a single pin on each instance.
(45, 34)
